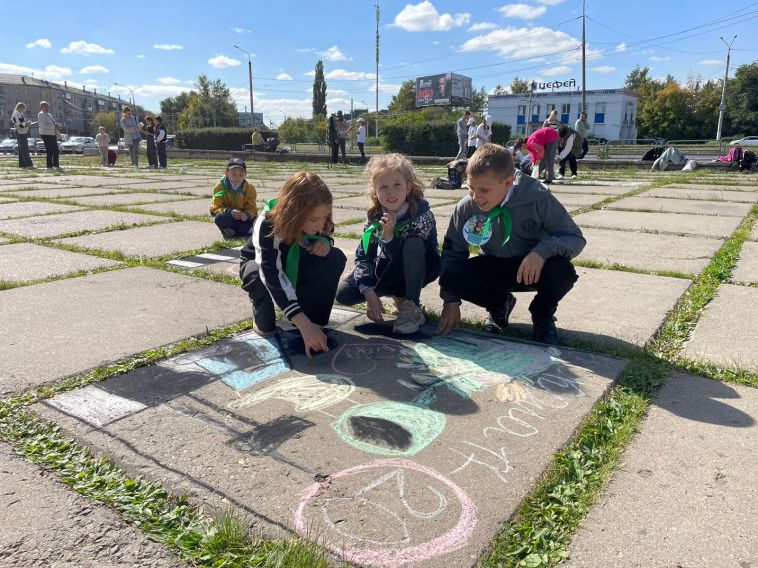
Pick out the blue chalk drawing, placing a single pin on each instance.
(217, 366)
(240, 380)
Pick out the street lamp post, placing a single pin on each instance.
(131, 92)
(722, 106)
(250, 83)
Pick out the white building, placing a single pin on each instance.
(611, 113)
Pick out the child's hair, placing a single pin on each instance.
(159, 120)
(491, 159)
(380, 164)
(300, 194)
(148, 118)
(123, 110)
(518, 143)
(19, 106)
(553, 113)
(562, 131)
(43, 103)
(101, 127)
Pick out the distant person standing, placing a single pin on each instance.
(362, 138)
(332, 138)
(471, 138)
(152, 157)
(132, 136)
(48, 131)
(342, 129)
(258, 142)
(461, 129)
(22, 136)
(551, 120)
(160, 141)
(484, 132)
(583, 129)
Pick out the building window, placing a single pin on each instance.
(535, 113)
(522, 110)
(548, 110)
(520, 130)
(599, 113)
(521, 119)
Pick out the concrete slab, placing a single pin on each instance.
(125, 199)
(660, 253)
(20, 187)
(579, 200)
(749, 185)
(595, 188)
(46, 523)
(672, 223)
(361, 202)
(65, 192)
(342, 215)
(101, 318)
(3, 241)
(32, 209)
(155, 240)
(686, 487)
(66, 223)
(187, 207)
(727, 331)
(7, 199)
(158, 184)
(754, 235)
(387, 449)
(605, 306)
(25, 261)
(747, 267)
(108, 181)
(695, 206)
(703, 194)
(198, 190)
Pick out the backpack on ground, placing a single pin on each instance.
(653, 154)
(747, 161)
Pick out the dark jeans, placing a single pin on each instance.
(470, 151)
(161, 149)
(317, 281)
(152, 158)
(403, 277)
(363, 154)
(487, 280)
(24, 159)
(585, 148)
(342, 150)
(226, 224)
(571, 159)
(51, 150)
(335, 151)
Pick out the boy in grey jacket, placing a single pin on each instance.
(526, 239)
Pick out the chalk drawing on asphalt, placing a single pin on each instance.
(305, 392)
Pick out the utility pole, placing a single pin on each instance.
(250, 84)
(377, 71)
(722, 106)
(584, 61)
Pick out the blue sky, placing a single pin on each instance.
(159, 48)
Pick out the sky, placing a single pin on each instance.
(158, 49)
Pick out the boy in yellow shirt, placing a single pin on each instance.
(233, 205)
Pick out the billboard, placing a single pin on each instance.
(443, 89)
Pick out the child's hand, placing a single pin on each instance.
(319, 248)
(239, 215)
(374, 307)
(388, 221)
(450, 318)
(314, 338)
(530, 269)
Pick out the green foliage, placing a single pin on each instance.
(295, 130)
(319, 91)
(742, 109)
(519, 85)
(405, 99)
(217, 138)
(478, 100)
(417, 135)
(209, 104)
(107, 119)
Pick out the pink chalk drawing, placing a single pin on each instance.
(359, 358)
(393, 555)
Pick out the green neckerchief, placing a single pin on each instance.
(505, 215)
(377, 226)
(228, 187)
(292, 265)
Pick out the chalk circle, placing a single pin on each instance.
(422, 425)
(445, 543)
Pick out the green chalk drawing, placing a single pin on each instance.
(422, 424)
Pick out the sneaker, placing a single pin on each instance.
(497, 320)
(59, 169)
(559, 176)
(573, 176)
(269, 333)
(409, 319)
(228, 233)
(544, 330)
(398, 302)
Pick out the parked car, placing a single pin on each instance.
(746, 141)
(171, 140)
(8, 146)
(121, 144)
(77, 144)
(40, 144)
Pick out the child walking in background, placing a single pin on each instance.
(160, 141)
(290, 259)
(397, 255)
(542, 145)
(149, 131)
(103, 140)
(233, 205)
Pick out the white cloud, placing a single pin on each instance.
(84, 48)
(389, 88)
(424, 17)
(550, 2)
(658, 58)
(240, 30)
(482, 27)
(94, 69)
(522, 11)
(604, 69)
(168, 81)
(311, 73)
(333, 54)
(338, 74)
(140, 56)
(557, 70)
(524, 42)
(710, 62)
(167, 46)
(150, 90)
(222, 62)
(305, 49)
(91, 83)
(283, 77)
(51, 72)
(41, 42)
(436, 42)
(620, 48)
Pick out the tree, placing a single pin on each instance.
(175, 105)
(211, 104)
(294, 130)
(499, 90)
(742, 101)
(319, 91)
(405, 99)
(519, 85)
(107, 119)
(478, 100)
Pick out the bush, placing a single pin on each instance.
(372, 141)
(431, 138)
(218, 138)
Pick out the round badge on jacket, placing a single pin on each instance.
(472, 230)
